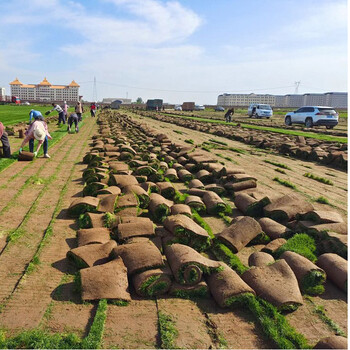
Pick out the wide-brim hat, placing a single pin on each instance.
(39, 134)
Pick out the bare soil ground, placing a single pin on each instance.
(46, 297)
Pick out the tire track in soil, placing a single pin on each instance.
(14, 261)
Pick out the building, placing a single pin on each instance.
(124, 101)
(45, 91)
(332, 99)
(2, 94)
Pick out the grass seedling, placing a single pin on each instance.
(167, 331)
(285, 183)
(319, 179)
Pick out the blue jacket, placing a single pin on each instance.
(36, 115)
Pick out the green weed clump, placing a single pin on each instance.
(280, 165)
(319, 179)
(190, 141)
(312, 283)
(280, 171)
(178, 132)
(219, 142)
(322, 200)
(284, 183)
(237, 150)
(300, 243)
(168, 332)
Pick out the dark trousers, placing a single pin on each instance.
(6, 145)
(71, 120)
(92, 111)
(61, 117)
(45, 145)
(79, 117)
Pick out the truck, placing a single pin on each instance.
(153, 105)
(188, 106)
(16, 100)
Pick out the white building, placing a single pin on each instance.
(2, 94)
(332, 99)
(45, 91)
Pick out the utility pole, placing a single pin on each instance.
(94, 91)
(297, 83)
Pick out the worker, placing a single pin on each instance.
(37, 131)
(93, 109)
(229, 114)
(6, 149)
(65, 109)
(36, 115)
(79, 109)
(73, 118)
(61, 116)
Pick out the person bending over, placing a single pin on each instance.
(6, 149)
(73, 118)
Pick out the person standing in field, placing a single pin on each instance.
(60, 112)
(73, 118)
(229, 114)
(93, 109)
(37, 131)
(65, 109)
(6, 149)
(79, 110)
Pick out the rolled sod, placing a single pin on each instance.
(249, 205)
(135, 163)
(195, 183)
(286, 208)
(272, 228)
(135, 229)
(240, 233)
(241, 177)
(159, 206)
(199, 290)
(220, 190)
(167, 190)
(240, 186)
(145, 170)
(275, 283)
(93, 236)
(126, 200)
(188, 231)
(227, 287)
(139, 257)
(91, 220)
(184, 175)
(82, 205)
(107, 203)
(92, 188)
(181, 209)
(338, 227)
(332, 342)
(188, 265)
(140, 193)
(195, 202)
(204, 175)
(122, 180)
(109, 190)
(260, 259)
(336, 269)
(214, 203)
(150, 187)
(25, 156)
(126, 148)
(171, 174)
(152, 283)
(274, 245)
(322, 217)
(310, 277)
(91, 254)
(119, 168)
(108, 281)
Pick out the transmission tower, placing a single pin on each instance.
(94, 91)
(297, 83)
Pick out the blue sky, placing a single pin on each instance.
(176, 50)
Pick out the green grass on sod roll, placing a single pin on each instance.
(312, 283)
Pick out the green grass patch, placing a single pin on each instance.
(201, 222)
(167, 331)
(280, 165)
(323, 200)
(178, 132)
(218, 142)
(321, 312)
(300, 243)
(285, 183)
(312, 283)
(189, 141)
(237, 150)
(94, 338)
(281, 171)
(319, 179)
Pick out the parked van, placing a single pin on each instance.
(259, 110)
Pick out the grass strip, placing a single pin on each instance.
(167, 331)
(323, 200)
(216, 336)
(94, 338)
(218, 142)
(285, 183)
(190, 141)
(280, 165)
(319, 179)
(321, 312)
(281, 171)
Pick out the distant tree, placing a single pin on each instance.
(139, 100)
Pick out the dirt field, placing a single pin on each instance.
(38, 289)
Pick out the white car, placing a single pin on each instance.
(259, 110)
(199, 108)
(313, 115)
(178, 108)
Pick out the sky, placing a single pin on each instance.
(184, 50)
